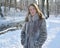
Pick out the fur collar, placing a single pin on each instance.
(33, 18)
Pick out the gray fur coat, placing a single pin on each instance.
(34, 33)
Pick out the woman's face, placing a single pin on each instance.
(32, 10)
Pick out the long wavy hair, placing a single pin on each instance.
(41, 16)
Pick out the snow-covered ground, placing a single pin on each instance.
(53, 30)
(12, 17)
(12, 39)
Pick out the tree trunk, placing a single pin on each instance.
(5, 8)
(15, 4)
(10, 4)
(21, 5)
(47, 9)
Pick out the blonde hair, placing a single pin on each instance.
(41, 16)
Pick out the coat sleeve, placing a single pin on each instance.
(42, 33)
(23, 34)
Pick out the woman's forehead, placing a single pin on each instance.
(31, 7)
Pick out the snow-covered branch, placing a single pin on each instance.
(9, 29)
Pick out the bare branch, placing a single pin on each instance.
(9, 29)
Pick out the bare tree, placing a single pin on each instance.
(47, 9)
(5, 7)
(15, 4)
(21, 5)
(10, 4)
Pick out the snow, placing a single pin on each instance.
(12, 17)
(12, 39)
(53, 29)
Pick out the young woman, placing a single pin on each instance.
(34, 32)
